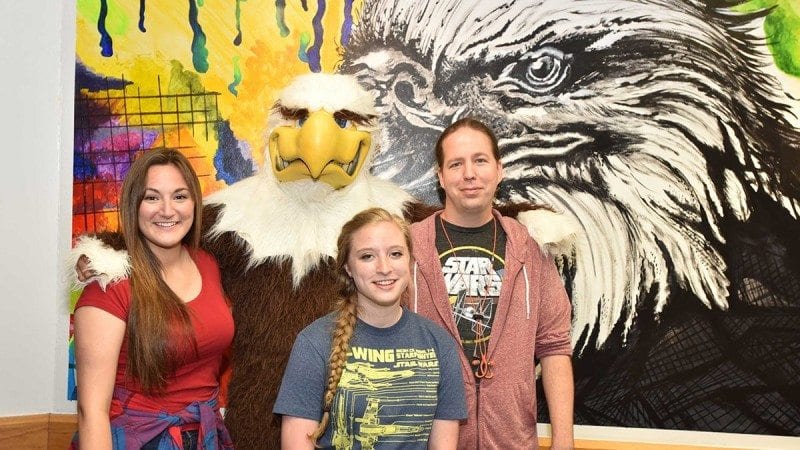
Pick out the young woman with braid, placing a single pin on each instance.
(149, 348)
(372, 374)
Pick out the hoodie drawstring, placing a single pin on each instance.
(527, 293)
(416, 290)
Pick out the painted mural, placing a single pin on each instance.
(669, 130)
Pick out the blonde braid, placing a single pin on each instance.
(340, 344)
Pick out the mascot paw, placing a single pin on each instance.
(116, 263)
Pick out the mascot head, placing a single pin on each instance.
(322, 128)
(316, 175)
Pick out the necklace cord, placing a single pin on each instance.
(482, 364)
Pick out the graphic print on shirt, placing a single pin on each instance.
(385, 396)
(473, 277)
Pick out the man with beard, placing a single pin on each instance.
(483, 278)
(656, 126)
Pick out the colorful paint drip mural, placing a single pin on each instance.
(669, 130)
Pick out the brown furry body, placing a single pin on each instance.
(268, 312)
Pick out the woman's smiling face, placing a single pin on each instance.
(379, 263)
(166, 212)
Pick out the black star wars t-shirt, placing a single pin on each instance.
(473, 263)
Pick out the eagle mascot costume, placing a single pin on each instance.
(274, 235)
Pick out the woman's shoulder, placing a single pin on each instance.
(115, 289)
(115, 298)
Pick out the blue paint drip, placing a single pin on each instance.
(280, 11)
(238, 39)
(106, 44)
(72, 386)
(199, 50)
(229, 161)
(141, 16)
(347, 25)
(313, 53)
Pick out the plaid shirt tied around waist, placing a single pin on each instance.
(131, 428)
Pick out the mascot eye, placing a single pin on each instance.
(539, 71)
(341, 122)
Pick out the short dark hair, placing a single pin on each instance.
(466, 122)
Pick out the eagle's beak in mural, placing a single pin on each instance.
(319, 147)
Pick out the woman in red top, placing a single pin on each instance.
(149, 349)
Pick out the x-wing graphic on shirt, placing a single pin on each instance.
(362, 375)
(341, 438)
(381, 400)
(371, 429)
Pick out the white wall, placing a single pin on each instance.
(36, 76)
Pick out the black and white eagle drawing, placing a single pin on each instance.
(656, 125)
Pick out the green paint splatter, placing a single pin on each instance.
(280, 17)
(116, 22)
(88, 9)
(238, 39)
(782, 28)
(182, 80)
(74, 294)
(302, 52)
(237, 76)
(199, 50)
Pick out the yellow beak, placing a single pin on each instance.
(320, 149)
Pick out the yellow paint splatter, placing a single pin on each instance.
(269, 60)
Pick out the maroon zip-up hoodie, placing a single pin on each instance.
(533, 320)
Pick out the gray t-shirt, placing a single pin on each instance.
(396, 381)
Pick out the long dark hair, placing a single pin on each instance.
(158, 323)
